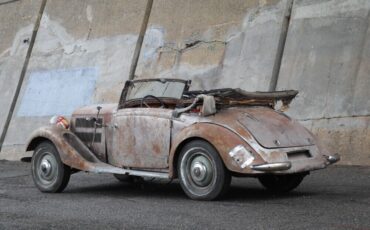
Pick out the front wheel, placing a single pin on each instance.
(202, 173)
(48, 171)
(281, 183)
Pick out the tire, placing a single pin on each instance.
(201, 171)
(281, 183)
(48, 171)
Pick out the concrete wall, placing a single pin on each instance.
(327, 58)
(214, 43)
(16, 24)
(81, 55)
(83, 52)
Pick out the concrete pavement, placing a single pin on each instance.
(334, 198)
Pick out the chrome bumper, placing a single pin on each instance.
(272, 166)
(281, 166)
(333, 158)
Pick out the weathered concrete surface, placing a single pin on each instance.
(87, 39)
(214, 43)
(16, 24)
(327, 58)
(349, 136)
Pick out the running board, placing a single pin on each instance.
(105, 168)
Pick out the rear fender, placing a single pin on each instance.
(72, 151)
(221, 138)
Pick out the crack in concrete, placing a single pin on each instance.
(9, 1)
(190, 45)
(336, 117)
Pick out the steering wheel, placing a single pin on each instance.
(148, 96)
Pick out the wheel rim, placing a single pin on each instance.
(198, 171)
(47, 169)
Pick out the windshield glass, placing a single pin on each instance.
(170, 89)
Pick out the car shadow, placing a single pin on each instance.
(168, 190)
(123, 189)
(249, 194)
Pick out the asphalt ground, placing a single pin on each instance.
(334, 198)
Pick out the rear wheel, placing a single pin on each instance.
(281, 183)
(48, 171)
(202, 173)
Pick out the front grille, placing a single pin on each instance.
(88, 137)
(301, 154)
(84, 123)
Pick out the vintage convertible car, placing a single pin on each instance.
(160, 129)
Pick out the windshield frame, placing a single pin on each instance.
(129, 83)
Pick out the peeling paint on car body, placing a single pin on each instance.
(127, 138)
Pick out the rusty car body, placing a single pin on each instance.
(160, 129)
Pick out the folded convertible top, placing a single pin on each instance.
(231, 97)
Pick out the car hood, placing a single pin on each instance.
(271, 129)
(92, 109)
(106, 112)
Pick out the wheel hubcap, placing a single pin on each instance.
(45, 167)
(201, 171)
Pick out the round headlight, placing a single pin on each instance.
(60, 121)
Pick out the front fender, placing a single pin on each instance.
(221, 138)
(72, 151)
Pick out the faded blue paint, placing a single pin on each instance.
(57, 92)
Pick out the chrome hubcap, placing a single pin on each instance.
(45, 167)
(201, 170)
(198, 170)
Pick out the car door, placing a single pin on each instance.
(141, 138)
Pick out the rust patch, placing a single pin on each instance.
(222, 139)
(156, 148)
(142, 138)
